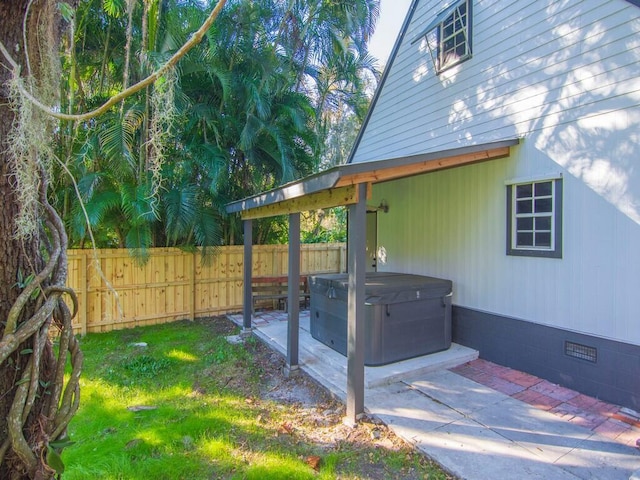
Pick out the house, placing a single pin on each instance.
(503, 150)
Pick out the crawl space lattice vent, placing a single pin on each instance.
(583, 352)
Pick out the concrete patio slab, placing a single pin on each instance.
(473, 431)
(445, 386)
(323, 360)
(471, 450)
(404, 408)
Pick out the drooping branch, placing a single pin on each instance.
(43, 400)
(194, 40)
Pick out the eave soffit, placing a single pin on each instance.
(334, 187)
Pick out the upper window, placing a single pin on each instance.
(449, 36)
(454, 44)
(534, 218)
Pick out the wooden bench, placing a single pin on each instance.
(277, 290)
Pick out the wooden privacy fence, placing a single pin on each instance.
(175, 285)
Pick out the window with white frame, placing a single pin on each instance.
(448, 37)
(534, 218)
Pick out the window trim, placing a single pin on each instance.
(556, 250)
(434, 29)
(466, 31)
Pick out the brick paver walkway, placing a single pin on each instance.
(605, 418)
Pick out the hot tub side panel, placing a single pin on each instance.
(327, 321)
(392, 331)
(412, 329)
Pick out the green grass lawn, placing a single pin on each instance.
(212, 415)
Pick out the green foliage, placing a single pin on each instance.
(325, 226)
(23, 282)
(146, 366)
(114, 8)
(66, 11)
(252, 107)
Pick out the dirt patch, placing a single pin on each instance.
(315, 416)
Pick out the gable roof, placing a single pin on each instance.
(392, 58)
(385, 74)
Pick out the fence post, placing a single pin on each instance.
(84, 279)
(192, 287)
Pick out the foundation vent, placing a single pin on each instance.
(583, 352)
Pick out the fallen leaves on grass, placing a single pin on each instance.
(313, 461)
(285, 428)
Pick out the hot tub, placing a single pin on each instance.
(405, 315)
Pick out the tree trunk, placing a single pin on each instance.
(14, 256)
(28, 367)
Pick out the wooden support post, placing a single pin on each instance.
(247, 274)
(356, 237)
(293, 295)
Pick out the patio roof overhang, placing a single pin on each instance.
(343, 185)
(337, 186)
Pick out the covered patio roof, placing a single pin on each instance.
(342, 185)
(336, 186)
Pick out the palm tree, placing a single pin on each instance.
(244, 111)
(312, 32)
(251, 109)
(327, 44)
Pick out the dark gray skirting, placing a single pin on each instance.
(602, 368)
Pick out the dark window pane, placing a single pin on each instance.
(543, 223)
(543, 205)
(448, 30)
(543, 189)
(543, 239)
(524, 206)
(462, 9)
(525, 223)
(523, 191)
(524, 239)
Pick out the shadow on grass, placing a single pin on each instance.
(205, 417)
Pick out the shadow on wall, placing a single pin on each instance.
(567, 81)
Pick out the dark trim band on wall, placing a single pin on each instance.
(607, 369)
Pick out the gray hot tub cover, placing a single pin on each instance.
(384, 287)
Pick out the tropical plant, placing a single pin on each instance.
(40, 384)
(249, 109)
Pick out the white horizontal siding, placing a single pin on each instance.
(563, 76)
(577, 62)
(452, 224)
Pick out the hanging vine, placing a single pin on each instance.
(164, 112)
(36, 444)
(45, 382)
